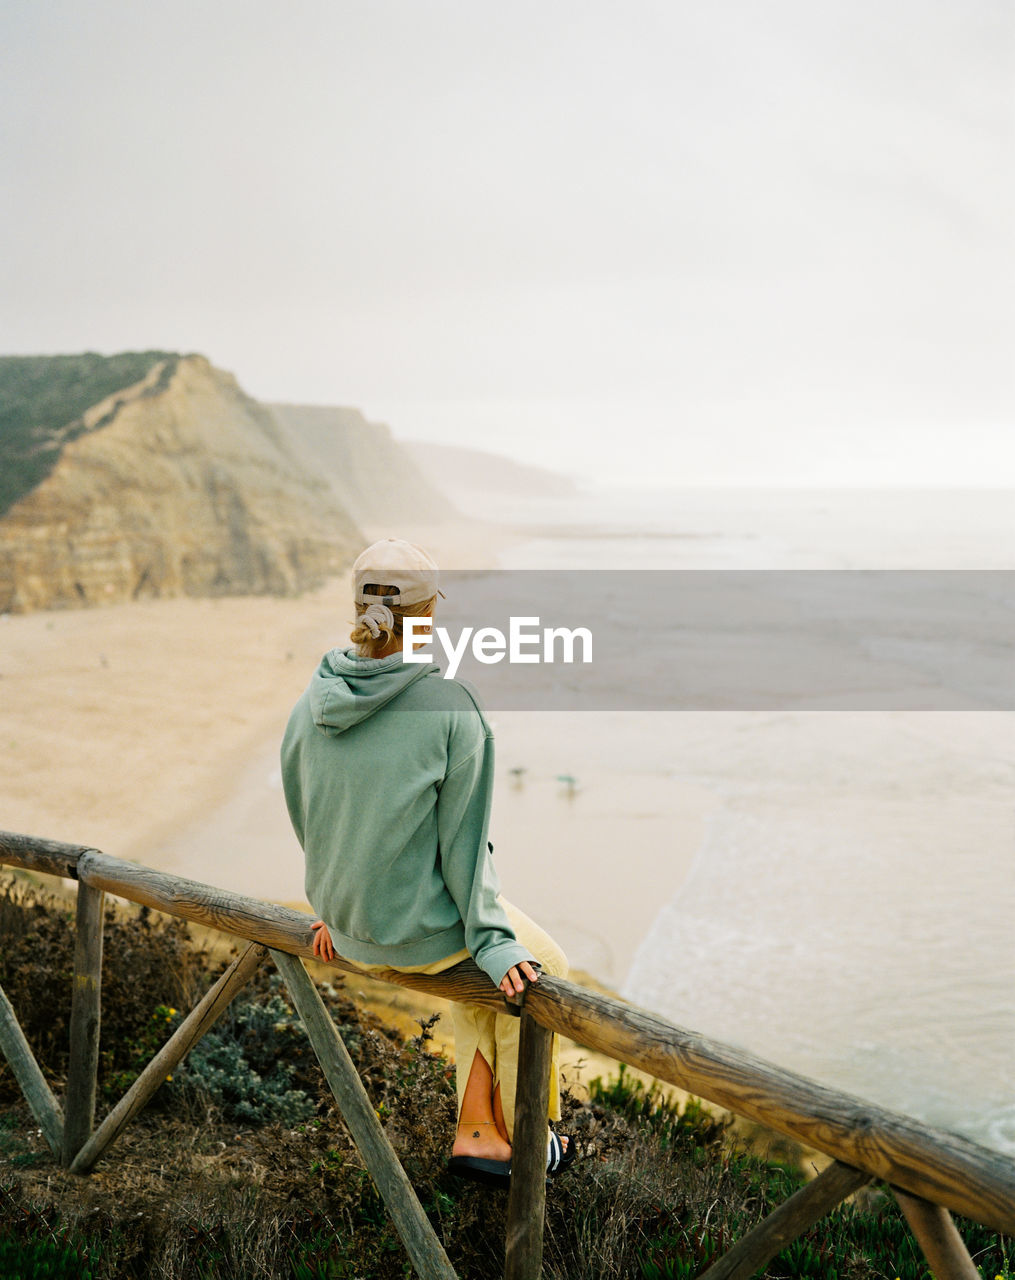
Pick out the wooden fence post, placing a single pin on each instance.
(86, 998)
(420, 1240)
(938, 1237)
(18, 1053)
(203, 1016)
(791, 1219)
(523, 1254)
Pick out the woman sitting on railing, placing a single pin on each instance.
(388, 776)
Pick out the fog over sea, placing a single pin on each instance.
(832, 890)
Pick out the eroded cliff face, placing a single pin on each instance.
(371, 475)
(179, 485)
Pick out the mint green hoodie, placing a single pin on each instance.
(387, 770)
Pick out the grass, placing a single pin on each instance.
(241, 1166)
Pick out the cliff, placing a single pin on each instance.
(178, 484)
(372, 475)
(43, 400)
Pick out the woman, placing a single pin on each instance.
(388, 776)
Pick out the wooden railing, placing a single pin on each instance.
(931, 1172)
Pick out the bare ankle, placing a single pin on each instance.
(480, 1138)
(477, 1127)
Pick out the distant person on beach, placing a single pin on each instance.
(388, 776)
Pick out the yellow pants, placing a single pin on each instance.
(495, 1035)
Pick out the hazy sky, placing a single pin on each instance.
(650, 241)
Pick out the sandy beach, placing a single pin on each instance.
(125, 725)
(151, 731)
(121, 724)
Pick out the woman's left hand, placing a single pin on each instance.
(512, 984)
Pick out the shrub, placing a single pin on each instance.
(149, 960)
(241, 1068)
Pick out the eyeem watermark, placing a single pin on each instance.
(524, 642)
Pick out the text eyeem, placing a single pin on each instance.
(523, 643)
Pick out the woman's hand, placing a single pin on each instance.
(324, 948)
(512, 985)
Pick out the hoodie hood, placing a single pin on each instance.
(346, 689)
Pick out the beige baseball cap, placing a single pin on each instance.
(393, 562)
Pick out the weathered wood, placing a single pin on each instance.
(38, 1094)
(941, 1167)
(791, 1219)
(938, 1237)
(523, 1257)
(51, 857)
(421, 1243)
(465, 983)
(86, 999)
(200, 1019)
(279, 928)
(938, 1166)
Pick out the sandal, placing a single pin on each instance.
(557, 1158)
(497, 1173)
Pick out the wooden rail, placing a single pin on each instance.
(931, 1171)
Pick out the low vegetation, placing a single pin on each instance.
(241, 1166)
(42, 399)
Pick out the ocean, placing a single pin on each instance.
(833, 890)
